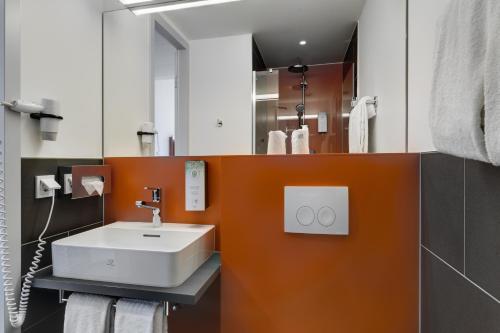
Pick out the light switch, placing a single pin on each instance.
(322, 210)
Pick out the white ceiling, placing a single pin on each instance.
(278, 26)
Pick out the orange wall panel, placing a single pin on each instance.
(290, 283)
(323, 94)
(277, 282)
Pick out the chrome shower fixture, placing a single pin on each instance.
(301, 108)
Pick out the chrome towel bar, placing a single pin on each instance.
(165, 304)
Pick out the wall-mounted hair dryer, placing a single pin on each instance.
(47, 113)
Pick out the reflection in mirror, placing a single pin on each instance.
(328, 77)
(287, 100)
(165, 93)
(140, 85)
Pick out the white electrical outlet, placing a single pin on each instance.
(68, 183)
(318, 210)
(40, 191)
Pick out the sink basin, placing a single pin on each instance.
(135, 253)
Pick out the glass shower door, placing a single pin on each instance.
(266, 107)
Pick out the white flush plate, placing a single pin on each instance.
(322, 210)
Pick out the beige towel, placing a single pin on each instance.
(134, 316)
(300, 141)
(276, 144)
(358, 126)
(492, 82)
(458, 92)
(87, 313)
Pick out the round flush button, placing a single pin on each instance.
(305, 215)
(326, 216)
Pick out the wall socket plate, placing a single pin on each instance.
(68, 183)
(40, 193)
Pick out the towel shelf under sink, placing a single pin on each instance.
(188, 293)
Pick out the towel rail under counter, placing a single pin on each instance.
(189, 293)
(165, 304)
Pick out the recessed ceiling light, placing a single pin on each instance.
(177, 5)
(303, 42)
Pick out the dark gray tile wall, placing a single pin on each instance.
(443, 207)
(452, 304)
(460, 245)
(70, 217)
(482, 230)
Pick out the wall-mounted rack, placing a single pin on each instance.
(41, 115)
(373, 101)
(141, 133)
(165, 304)
(189, 293)
(79, 172)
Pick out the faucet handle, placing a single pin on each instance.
(156, 193)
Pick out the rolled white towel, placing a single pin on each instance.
(276, 144)
(133, 316)
(87, 313)
(300, 141)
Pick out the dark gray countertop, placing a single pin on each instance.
(189, 292)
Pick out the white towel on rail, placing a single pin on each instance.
(358, 125)
(87, 313)
(492, 82)
(300, 141)
(458, 88)
(134, 316)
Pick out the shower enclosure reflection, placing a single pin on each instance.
(287, 100)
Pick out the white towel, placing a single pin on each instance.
(358, 125)
(492, 82)
(87, 313)
(300, 141)
(93, 184)
(459, 79)
(276, 144)
(134, 316)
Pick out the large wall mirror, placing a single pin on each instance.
(254, 77)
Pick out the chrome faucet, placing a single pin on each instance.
(156, 198)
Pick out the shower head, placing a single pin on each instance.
(300, 108)
(298, 69)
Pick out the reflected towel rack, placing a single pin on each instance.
(373, 101)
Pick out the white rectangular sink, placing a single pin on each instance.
(135, 253)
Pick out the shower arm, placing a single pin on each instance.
(304, 98)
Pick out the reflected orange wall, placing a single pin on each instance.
(285, 283)
(323, 94)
